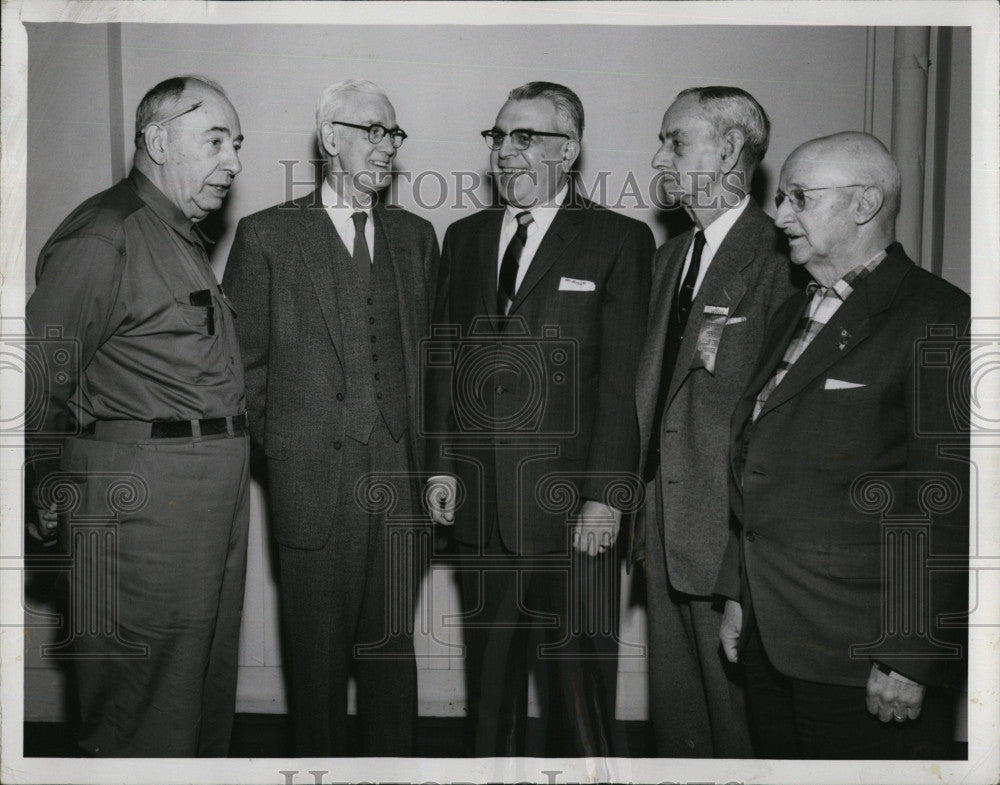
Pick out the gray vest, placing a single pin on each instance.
(373, 345)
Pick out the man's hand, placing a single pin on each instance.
(893, 696)
(45, 528)
(596, 528)
(440, 495)
(729, 630)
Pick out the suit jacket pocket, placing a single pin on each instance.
(276, 446)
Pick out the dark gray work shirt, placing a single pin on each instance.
(114, 283)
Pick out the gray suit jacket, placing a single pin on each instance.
(280, 277)
(750, 277)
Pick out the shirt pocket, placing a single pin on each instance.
(197, 317)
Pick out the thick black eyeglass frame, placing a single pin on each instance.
(494, 137)
(377, 132)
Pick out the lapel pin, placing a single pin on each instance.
(844, 338)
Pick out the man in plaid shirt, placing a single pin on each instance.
(840, 441)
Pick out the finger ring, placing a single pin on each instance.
(898, 717)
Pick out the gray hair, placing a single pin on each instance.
(730, 107)
(333, 99)
(569, 108)
(163, 98)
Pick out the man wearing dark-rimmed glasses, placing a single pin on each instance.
(550, 275)
(333, 295)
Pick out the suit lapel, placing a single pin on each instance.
(321, 247)
(565, 227)
(650, 372)
(488, 252)
(847, 328)
(724, 285)
(409, 291)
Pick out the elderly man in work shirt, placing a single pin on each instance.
(147, 432)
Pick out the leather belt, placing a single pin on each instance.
(167, 429)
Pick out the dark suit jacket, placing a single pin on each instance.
(810, 549)
(751, 277)
(280, 276)
(557, 404)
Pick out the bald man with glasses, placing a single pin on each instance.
(850, 444)
(333, 294)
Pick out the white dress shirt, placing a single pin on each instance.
(715, 233)
(542, 217)
(340, 214)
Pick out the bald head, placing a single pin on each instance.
(857, 158)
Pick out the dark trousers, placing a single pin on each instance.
(794, 718)
(556, 613)
(157, 592)
(348, 608)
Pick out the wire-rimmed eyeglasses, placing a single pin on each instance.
(520, 138)
(797, 196)
(377, 132)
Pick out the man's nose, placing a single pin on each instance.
(232, 163)
(660, 158)
(507, 149)
(784, 216)
(386, 146)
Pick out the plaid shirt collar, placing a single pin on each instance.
(843, 287)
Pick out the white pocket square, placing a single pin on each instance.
(840, 384)
(735, 320)
(575, 285)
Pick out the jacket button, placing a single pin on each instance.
(751, 535)
(500, 389)
(340, 396)
(336, 445)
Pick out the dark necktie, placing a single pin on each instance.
(362, 258)
(671, 347)
(511, 257)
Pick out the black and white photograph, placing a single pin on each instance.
(544, 392)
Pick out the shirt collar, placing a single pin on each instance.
(542, 215)
(339, 210)
(164, 209)
(845, 285)
(716, 231)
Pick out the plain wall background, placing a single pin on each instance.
(446, 83)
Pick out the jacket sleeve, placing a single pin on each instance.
(614, 446)
(247, 281)
(436, 382)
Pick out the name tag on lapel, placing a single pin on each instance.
(576, 285)
(709, 337)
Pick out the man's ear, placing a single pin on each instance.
(732, 146)
(156, 143)
(571, 151)
(868, 204)
(328, 138)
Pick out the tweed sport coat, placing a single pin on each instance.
(280, 276)
(749, 277)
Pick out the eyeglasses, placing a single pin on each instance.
(797, 196)
(377, 132)
(140, 131)
(520, 138)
